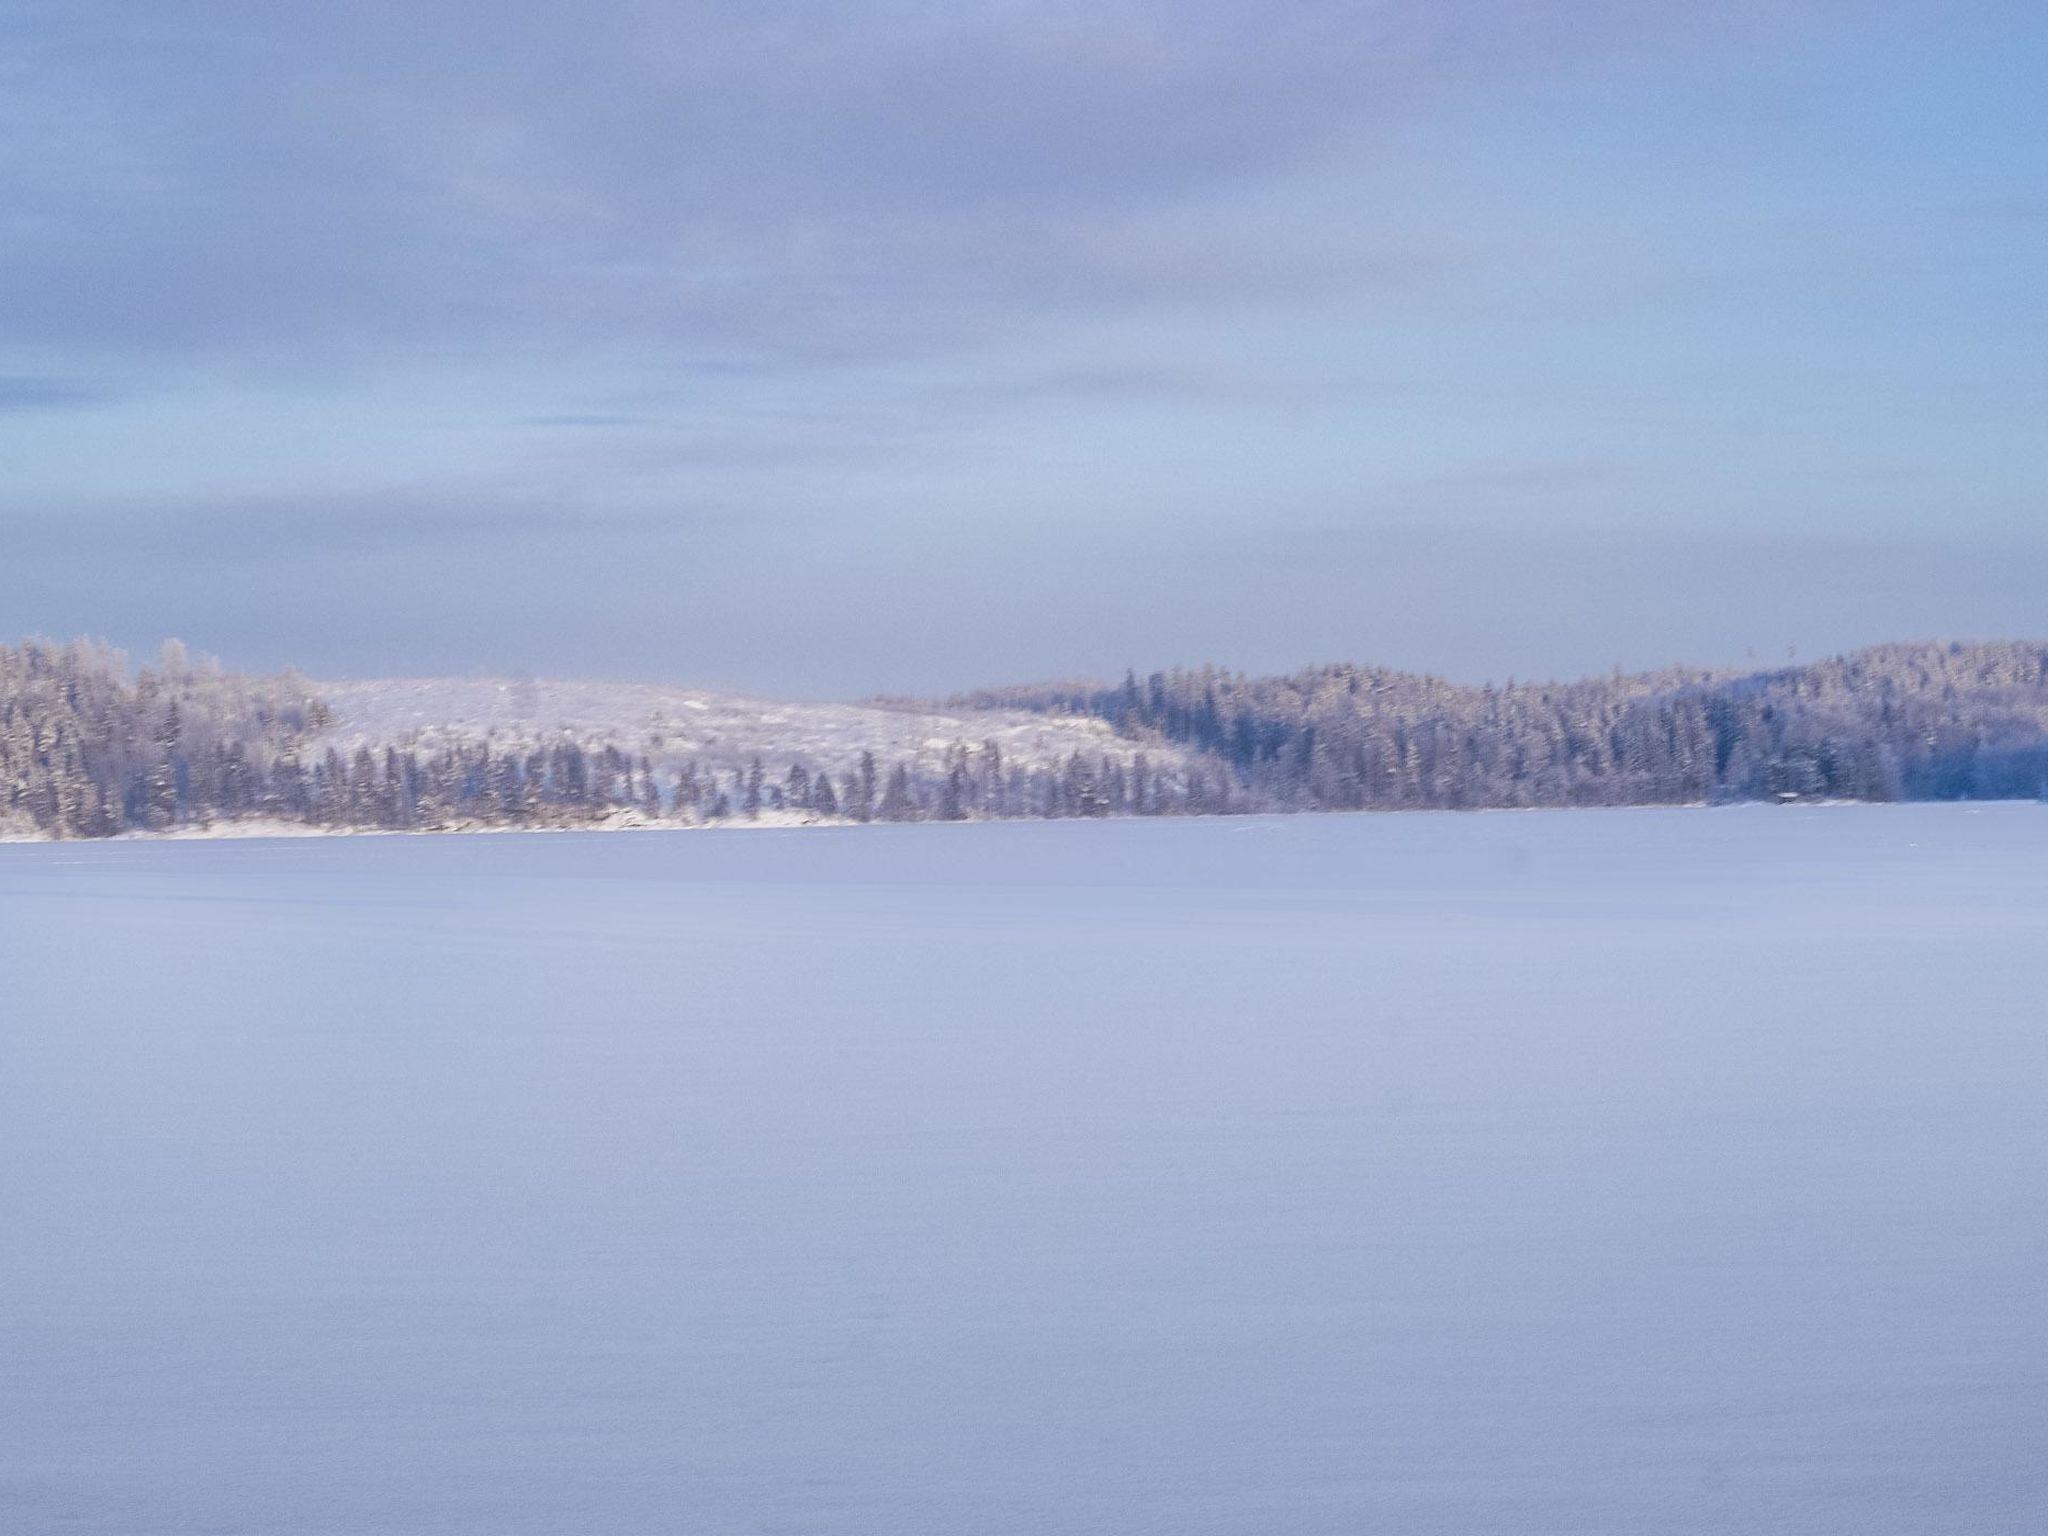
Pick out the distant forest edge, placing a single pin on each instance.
(91, 748)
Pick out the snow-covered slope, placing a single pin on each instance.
(671, 725)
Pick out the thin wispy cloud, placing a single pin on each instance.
(41, 392)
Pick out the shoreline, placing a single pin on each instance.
(784, 821)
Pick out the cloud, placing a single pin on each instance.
(450, 580)
(592, 420)
(218, 179)
(233, 533)
(21, 393)
(2012, 210)
(815, 346)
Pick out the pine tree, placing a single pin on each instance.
(860, 789)
(898, 803)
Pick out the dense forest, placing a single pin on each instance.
(90, 747)
(1911, 722)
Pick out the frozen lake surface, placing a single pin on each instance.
(1605, 1172)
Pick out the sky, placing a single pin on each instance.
(831, 349)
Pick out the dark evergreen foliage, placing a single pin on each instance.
(1937, 721)
(88, 749)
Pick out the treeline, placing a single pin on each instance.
(1913, 722)
(567, 783)
(89, 749)
(971, 784)
(86, 750)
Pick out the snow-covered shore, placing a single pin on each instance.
(273, 827)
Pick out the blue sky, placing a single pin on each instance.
(832, 349)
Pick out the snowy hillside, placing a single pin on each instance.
(671, 725)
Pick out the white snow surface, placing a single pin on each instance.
(670, 725)
(1562, 1173)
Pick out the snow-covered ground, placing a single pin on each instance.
(1555, 1172)
(723, 731)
